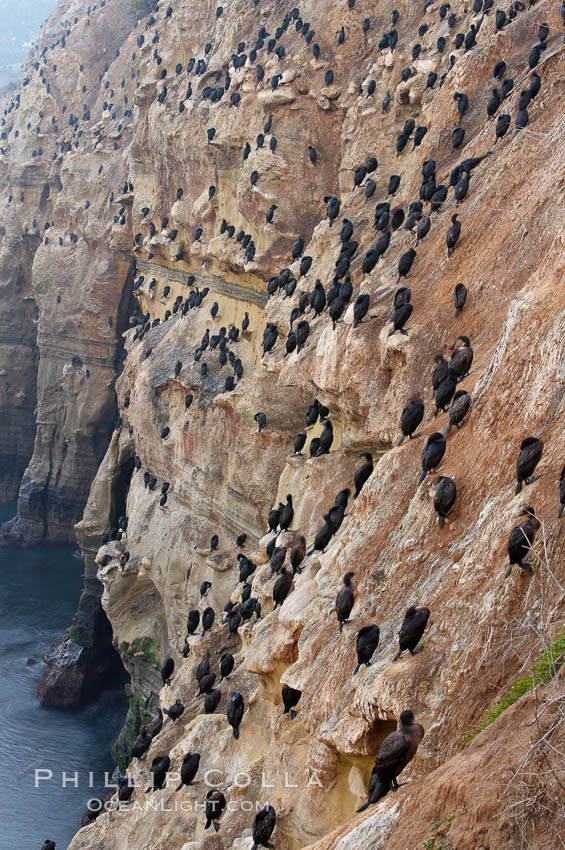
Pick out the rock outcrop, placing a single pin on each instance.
(161, 156)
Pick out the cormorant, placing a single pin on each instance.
(360, 309)
(432, 454)
(158, 773)
(282, 587)
(459, 298)
(207, 619)
(299, 444)
(263, 826)
(345, 600)
(396, 751)
(175, 711)
(531, 451)
(234, 712)
(410, 418)
(461, 358)
(204, 588)
(286, 515)
(290, 698)
(141, 744)
(226, 666)
(401, 316)
(460, 407)
(277, 559)
(521, 540)
(214, 807)
(405, 264)
(189, 769)
(193, 621)
(367, 642)
(326, 438)
(453, 235)
(261, 421)
(167, 670)
(444, 498)
(297, 554)
(411, 630)
(445, 390)
(363, 473)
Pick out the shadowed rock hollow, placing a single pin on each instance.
(114, 422)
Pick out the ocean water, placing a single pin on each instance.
(39, 591)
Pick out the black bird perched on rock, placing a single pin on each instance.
(521, 540)
(167, 670)
(452, 235)
(445, 390)
(214, 807)
(405, 264)
(297, 554)
(360, 309)
(531, 451)
(193, 621)
(207, 620)
(459, 298)
(386, 103)
(367, 642)
(329, 77)
(270, 335)
(287, 514)
(158, 773)
(312, 154)
(393, 184)
(299, 444)
(214, 540)
(459, 409)
(189, 769)
(423, 228)
(298, 248)
(226, 665)
(204, 588)
(174, 711)
(50, 845)
(277, 559)
(401, 316)
(125, 790)
(345, 600)
(411, 630)
(234, 712)
(141, 744)
(261, 421)
(326, 438)
(432, 454)
(402, 296)
(493, 104)
(461, 357)
(499, 70)
(263, 826)
(502, 125)
(282, 587)
(291, 698)
(205, 682)
(522, 119)
(332, 208)
(396, 751)
(506, 88)
(444, 498)
(411, 417)
(457, 137)
(363, 474)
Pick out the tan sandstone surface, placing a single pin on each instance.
(504, 790)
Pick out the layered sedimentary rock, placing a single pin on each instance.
(224, 476)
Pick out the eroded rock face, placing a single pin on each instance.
(224, 476)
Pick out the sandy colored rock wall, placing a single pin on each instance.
(224, 477)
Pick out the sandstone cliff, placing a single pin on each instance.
(502, 791)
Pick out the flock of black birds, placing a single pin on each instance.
(400, 747)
